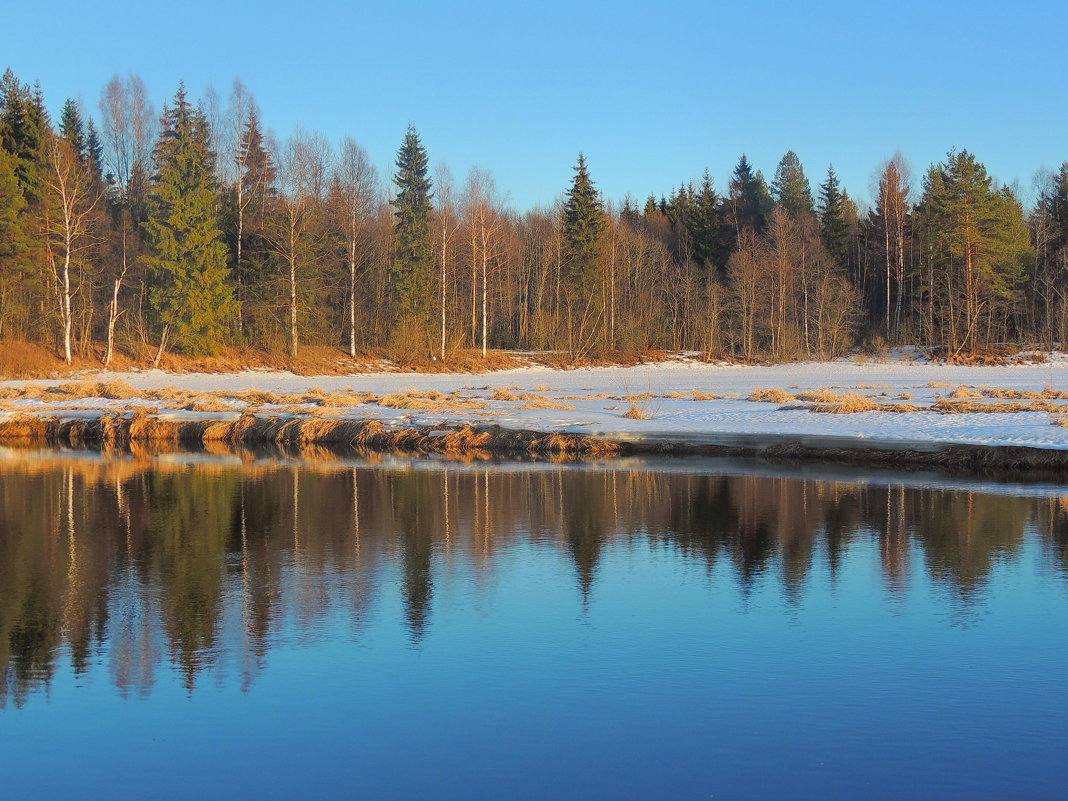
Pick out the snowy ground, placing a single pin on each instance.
(730, 420)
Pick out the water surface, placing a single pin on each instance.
(197, 626)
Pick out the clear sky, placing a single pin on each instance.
(652, 93)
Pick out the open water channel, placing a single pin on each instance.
(324, 626)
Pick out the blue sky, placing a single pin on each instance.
(653, 94)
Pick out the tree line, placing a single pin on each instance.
(196, 229)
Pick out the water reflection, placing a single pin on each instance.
(199, 567)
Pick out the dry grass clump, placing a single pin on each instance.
(413, 399)
(1049, 393)
(210, 405)
(503, 394)
(602, 396)
(772, 396)
(947, 406)
(545, 403)
(255, 397)
(872, 386)
(823, 395)
(698, 395)
(850, 403)
(636, 412)
(932, 384)
(964, 392)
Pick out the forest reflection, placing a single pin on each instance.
(144, 567)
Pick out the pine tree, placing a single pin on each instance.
(974, 234)
(833, 226)
(411, 271)
(790, 187)
(583, 226)
(189, 292)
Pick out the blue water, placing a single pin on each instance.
(425, 630)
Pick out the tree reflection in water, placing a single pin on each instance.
(197, 567)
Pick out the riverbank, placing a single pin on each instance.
(895, 411)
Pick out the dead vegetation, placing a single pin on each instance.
(146, 425)
(771, 396)
(636, 412)
(947, 406)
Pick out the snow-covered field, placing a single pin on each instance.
(600, 398)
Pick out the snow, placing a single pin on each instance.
(731, 420)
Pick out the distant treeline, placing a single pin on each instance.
(194, 229)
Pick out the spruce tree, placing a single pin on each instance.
(791, 188)
(750, 201)
(24, 125)
(411, 271)
(189, 290)
(12, 203)
(72, 129)
(834, 229)
(706, 225)
(584, 225)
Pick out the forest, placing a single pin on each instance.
(130, 231)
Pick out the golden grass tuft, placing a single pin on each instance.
(698, 395)
(964, 392)
(771, 396)
(823, 395)
(545, 403)
(503, 395)
(947, 406)
(932, 384)
(210, 405)
(636, 412)
(850, 403)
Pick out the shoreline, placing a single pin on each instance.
(450, 439)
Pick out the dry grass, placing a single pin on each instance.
(872, 386)
(932, 384)
(964, 392)
(545, 403)
(636, 412)
(208, 406)
(145, 425)
(947, 406)
(823, 395)
(414, 399)
(503, 394)
(850, 403)
(698, 395)
(771, 396)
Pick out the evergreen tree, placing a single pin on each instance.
(24, 124)
(750, 202)
(975, 236)
(790, 187)
(583, 223)
(706, 225)
(189, 291)
(72, 129)
(12, 203)
(411, 271)
(94, 150)
(834, 229)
